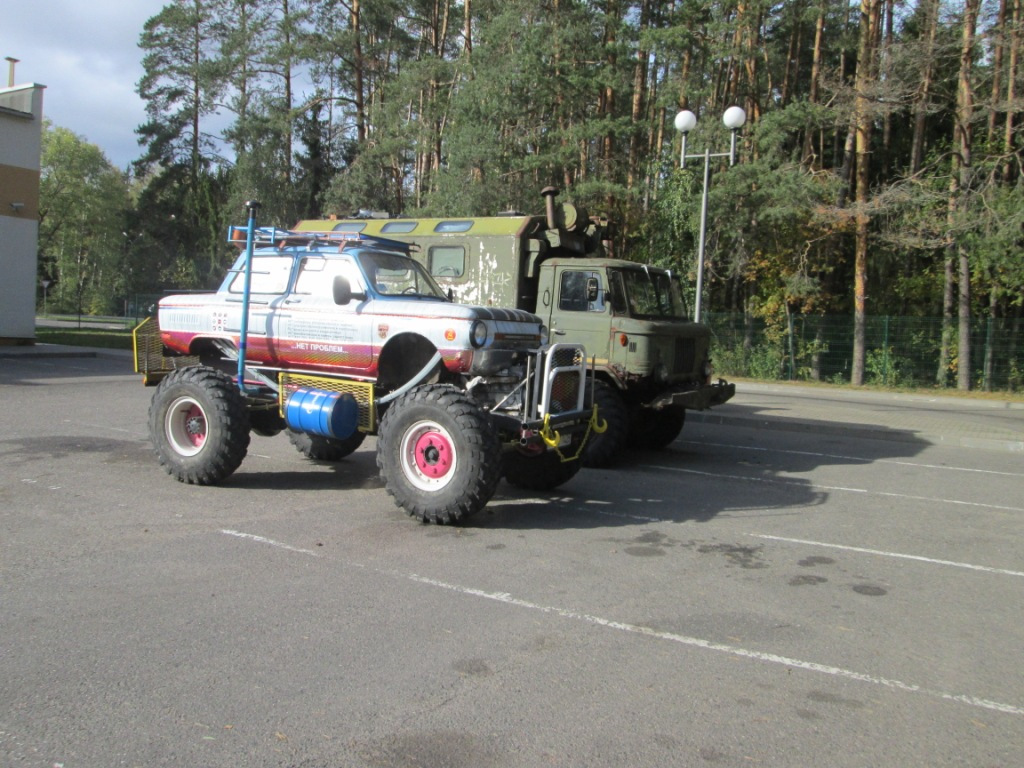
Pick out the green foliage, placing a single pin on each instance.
(885, 368)
(84, 201)
(316, 107)
(85, 337)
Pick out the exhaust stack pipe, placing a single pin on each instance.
(549, 205)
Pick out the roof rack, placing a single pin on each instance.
(283, 237)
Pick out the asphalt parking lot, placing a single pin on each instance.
(806, 577)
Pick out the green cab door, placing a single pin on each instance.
(576, 308)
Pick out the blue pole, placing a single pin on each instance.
(250, 231)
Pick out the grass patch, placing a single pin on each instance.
(85, 337)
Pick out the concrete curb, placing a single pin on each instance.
(60, 351)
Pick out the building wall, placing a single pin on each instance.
(21, 134)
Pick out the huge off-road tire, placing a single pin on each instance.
(266, 422)
(199, 425)
(321, 448)
(657, 429)
(603, 447)
(438, 454)
(543, 470)
(540, 472)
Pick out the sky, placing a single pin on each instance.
(86, 54)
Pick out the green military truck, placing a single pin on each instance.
(651, 358)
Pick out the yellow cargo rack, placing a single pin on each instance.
(362, 391)
(150, 359)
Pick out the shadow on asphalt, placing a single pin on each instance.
(693, 481)
(758, 417)
(36, 370)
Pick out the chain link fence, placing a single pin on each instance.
(900, 351)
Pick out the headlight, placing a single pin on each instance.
(543, 335)
(709, 371)
(478, 334)
(661, 373)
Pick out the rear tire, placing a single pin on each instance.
(438, 454)
(199, 425)
(320, 448)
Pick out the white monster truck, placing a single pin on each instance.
(332, 338)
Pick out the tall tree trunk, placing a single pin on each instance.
(197, 55)
(960, 180)
(606, 107)
(998, 47)
(886, 55)
(1011, 91)
(870, 16)
(813, 97)
(990, 358)
(358, 74)
(948, 303)
(639, 91)
(286, 24)
(792, 68)
(924, 92)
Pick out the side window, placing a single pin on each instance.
(447, 260)
(269, 275)
(316, 276)
(350, 226)
(617, 293)
(573, 290)
(399, 227)
(453, 226)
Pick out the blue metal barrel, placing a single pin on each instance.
(319, 412)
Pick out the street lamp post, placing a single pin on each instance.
(686, 121)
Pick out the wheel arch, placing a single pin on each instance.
(402, 357)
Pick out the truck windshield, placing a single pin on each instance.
(393, 275)
(649, 293)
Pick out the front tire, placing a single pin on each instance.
(602, 448)
(199, 425)
(438, 454)
(657, 429)
(541, 472)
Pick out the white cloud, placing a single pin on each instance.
(87, 55)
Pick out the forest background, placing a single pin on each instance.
(879, 171)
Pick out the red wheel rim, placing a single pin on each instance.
(433, 455)
(195, 426)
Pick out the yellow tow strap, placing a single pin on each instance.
(552, 438)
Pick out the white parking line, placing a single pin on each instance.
(847, 489)
(695, 642)
(504, 597)
(883, 553)
(943, 467)
(271, 542)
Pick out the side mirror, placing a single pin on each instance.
(592, 289)
(343, 293)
